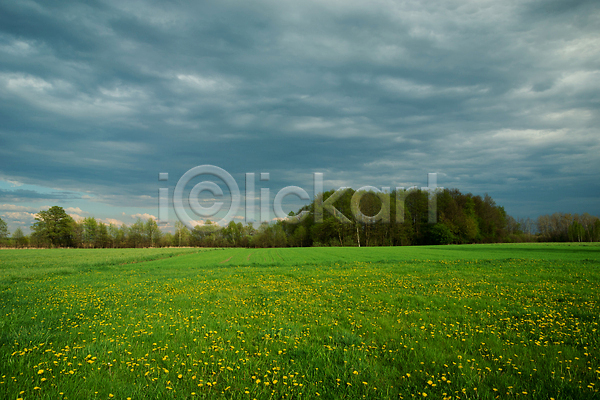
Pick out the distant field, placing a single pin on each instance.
(460, 322)
(29, 264)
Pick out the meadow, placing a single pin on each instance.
(444, 322)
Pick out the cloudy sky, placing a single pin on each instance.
(497, 97)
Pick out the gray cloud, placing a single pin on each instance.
(23, 194)
(496, 97)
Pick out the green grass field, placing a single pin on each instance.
(460, 322)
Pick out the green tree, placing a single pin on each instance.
(19, 239)
(122, 237)
(167, 240)
(135, 234)
(3, 231)
(576, 232)
(441, 234)
(457, 212)
(491, 219)
(416, 210)
(270, 235)
(232, 233)
(299, 237)
(206, 235)
(90, 232)
(152, 232)
(595, 231)
(114, 235)
(78, 230)
(102, 236)
(182, 234)
(54, 227)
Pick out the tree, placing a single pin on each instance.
(122, 237)
(299, 236)
(182, 234)
(270, 235)
(135, 234)
(167, 240)
(78, 230)
(441, 234)
(3, 230)
(595, 231)
(90, 232)
(152, 232)
(491, 219)
(102, 236)
(417, 211)
(19, 239)
(114, 235)
(206, 235)
(576, 232)
(457, 212)
(232, 233)
(54, 227)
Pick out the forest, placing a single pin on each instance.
(346, 219)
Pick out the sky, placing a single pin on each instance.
(98, 98)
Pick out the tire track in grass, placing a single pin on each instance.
(160, 257)
(248, 258)
(224, 261)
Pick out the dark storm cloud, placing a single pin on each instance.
(497, 97)
(24, 195)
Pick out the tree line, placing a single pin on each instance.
(346, 218)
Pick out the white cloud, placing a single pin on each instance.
(14, 183)
(18, 47)
(109, 221)
(143, 216)
(75, 210)
(61, 97)
(20, 215)
(204, 83)
(13, 207)
(20, 82)
(76, 217)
